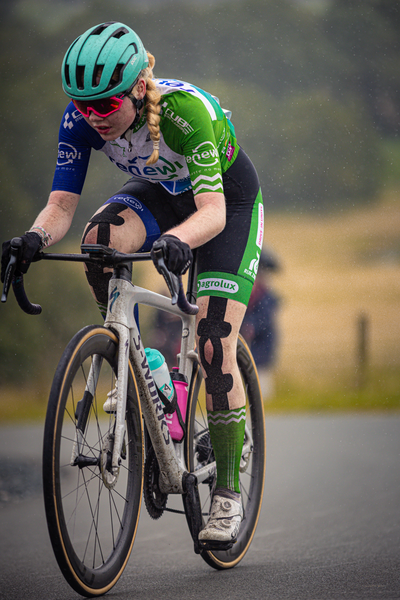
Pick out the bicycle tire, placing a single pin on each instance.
(198, 451)
(92, 516)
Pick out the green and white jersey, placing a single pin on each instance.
(197, 142)
(197, 146)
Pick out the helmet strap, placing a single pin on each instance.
(138, 104)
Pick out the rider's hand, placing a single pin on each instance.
(32, 243)
(177, 255)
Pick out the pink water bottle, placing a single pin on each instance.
(176, 420)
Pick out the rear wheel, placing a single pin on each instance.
(199, 453)
(92, 512)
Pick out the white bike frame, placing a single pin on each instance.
(123, 296)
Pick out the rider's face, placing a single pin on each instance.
(113, 126)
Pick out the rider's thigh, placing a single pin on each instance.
(130, 236)
(124, 231)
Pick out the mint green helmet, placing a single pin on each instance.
(106, 50)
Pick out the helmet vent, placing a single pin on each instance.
(80, 77)
(118, 34)
(67, 77)
(100, 29)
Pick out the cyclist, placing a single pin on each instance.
(190, 186)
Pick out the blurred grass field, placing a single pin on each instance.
(335, 270)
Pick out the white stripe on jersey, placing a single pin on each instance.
(167, 86)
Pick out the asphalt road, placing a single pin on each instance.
(329, 529)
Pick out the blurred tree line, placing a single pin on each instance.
(314, 88)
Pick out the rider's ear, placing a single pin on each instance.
(140, 89)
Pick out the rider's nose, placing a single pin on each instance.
(94, 118)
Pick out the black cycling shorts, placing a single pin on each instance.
(226, 265)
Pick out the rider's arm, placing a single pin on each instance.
(198, 115)
(57, 215)
(76, 139)
(207, 222)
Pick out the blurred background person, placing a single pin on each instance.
(259, 327)
(165, 334)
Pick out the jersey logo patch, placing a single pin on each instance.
(213, 283)
(67, 154)
(67, 123)
(204, 155)
(180, 122)
(253, 267)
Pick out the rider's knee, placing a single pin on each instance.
(89, 235)
(98, 230)
(207, 353)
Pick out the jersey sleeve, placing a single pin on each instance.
(190, 125)
(75, 141)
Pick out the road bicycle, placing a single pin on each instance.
(97, 466)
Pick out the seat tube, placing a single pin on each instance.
(171, 471)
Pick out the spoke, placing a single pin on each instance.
(93, 524)
(84, 483)
(67, 438)
(73, 515)
(125, 468)
(201, 432)
(244, 491)
(96, 509)
(94, 449)
(124, 498)
(111, 499)
(97, 528)
(111, 517)
(207, 502)
(77, 501)
(71, 418)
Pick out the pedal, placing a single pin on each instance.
(215, 545)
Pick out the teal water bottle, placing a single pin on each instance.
(159, 370)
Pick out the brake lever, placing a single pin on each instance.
(171, 280)
(16, 245)
(16, 279)
(174, 283)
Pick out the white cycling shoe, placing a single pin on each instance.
(223, 526)
(110, 405)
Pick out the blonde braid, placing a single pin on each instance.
(153, 107)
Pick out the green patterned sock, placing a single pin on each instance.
(227, 435)
(102, 308)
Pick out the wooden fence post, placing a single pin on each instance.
(362, 349)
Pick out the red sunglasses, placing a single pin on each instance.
(101, 108)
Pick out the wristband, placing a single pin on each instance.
(46, 237)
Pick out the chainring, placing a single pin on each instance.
(154, 499)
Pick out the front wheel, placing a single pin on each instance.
(92, 512)
(199, 454)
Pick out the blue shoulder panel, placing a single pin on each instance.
(75, 141)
